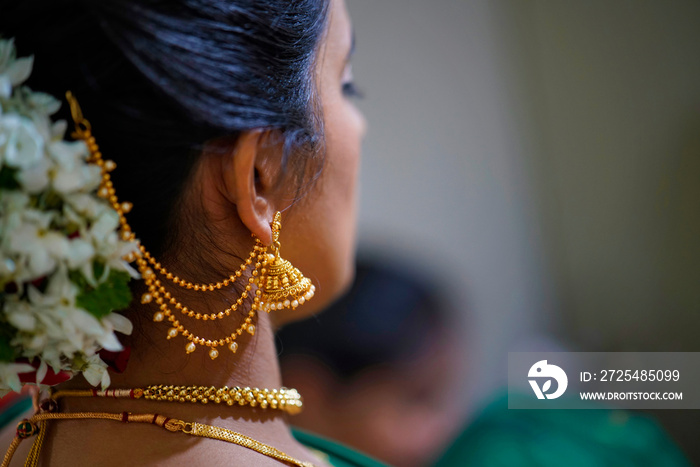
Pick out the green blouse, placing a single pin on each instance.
(502, 437)
(334, 453)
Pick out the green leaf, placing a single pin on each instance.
(49, 200)
(7, 352)
(78, 279)
(52, 200)
(112, 294)
(8, 178)
(98, 269)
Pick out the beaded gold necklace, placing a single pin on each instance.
(284, 399)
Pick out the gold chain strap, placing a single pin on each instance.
(39, 423)
(224, 434)
(35, 452)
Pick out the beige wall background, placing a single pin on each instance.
(613, 91)
(445, 182)
(543, 159)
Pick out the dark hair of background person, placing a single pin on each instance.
(388, 316)
(158, 79)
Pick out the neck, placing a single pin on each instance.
(165, 362)
(156, 360)
(254, 362)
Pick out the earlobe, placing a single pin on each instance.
(246, 184)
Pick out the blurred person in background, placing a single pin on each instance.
(381, 369)
(384, 370)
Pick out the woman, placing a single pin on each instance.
(218, 114)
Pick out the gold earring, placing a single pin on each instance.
(282, 285)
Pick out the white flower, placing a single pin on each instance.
(9, 376)
(41, 371)
(7, 267)
(79, 209)
(35, 179)
(95, 372)
(58, 130)
(80, 252)
(21, 145)
(12, 204)
(41, 247)
(105, 225)
(55, 197)
(42, 123)
(108, 245)
(13, 71)
(45, 104)
(15, 201)
(118, 323)
(77, 326)
(62, 317)
(72, 173)
(22, 317)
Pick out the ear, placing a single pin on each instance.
(249, 173)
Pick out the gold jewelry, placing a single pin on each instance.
(278, 284)
(284, 399)
(38, 425)
(162, 298)
(283, 285)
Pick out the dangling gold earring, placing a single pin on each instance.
(282, 285)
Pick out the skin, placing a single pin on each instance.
(238, 190)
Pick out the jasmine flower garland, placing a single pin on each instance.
(62, 272)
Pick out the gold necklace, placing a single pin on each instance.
(37, 425)
(284, 399)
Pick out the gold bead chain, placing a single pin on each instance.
(157, 291)
(288, 400)
(189, 285)
(230, 340)
(158, 294)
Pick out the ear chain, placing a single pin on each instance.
(158, 294)
(278, 284)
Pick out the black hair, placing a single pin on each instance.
(157, 79)
(387, 316)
